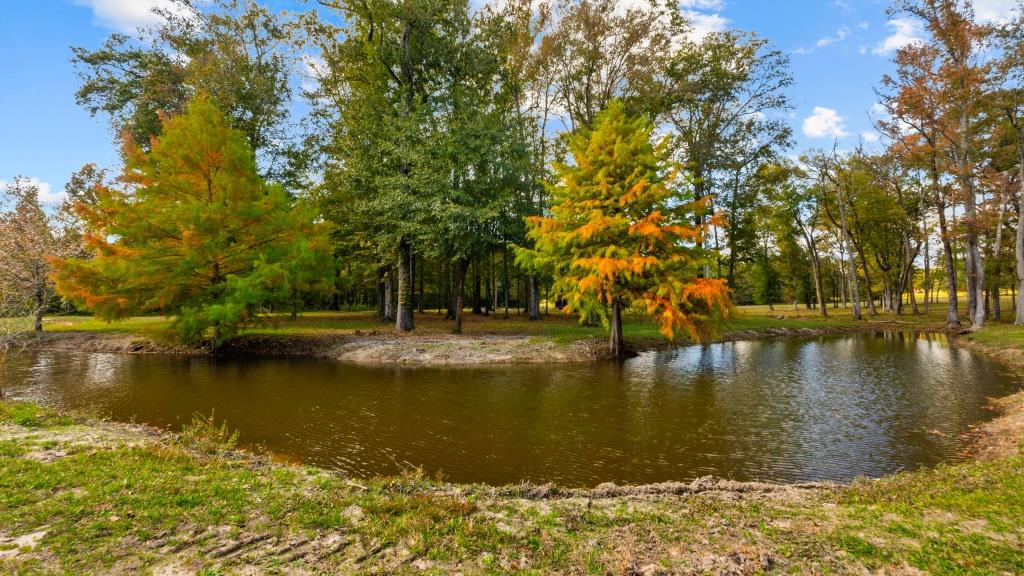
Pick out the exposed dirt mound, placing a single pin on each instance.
(98, 342)
(360, 348)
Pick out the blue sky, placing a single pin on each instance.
(839, 51)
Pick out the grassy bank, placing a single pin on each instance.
(80, 496)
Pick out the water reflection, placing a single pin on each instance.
(787, 410)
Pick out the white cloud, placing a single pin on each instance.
(128, 15)
(878, 110)
(841, 35)
(905, 31)
(869, 136)
(701, 4)
(46, 193)
(703, 24)
(314, 68)
(993, 10)
(824, 123)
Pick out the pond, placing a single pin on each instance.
(797, 409)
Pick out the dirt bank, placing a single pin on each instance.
(505, 514)
(112, 342)
(370, 348)
(419, 350)
(1003, 435)
(380, 348)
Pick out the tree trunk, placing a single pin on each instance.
(997, 248)
(927, 267)
(458, 303)
(975, 265)
(854, 287)
(867, 281)
(952, 313)
(389, 296)
(449, 293)
(477, 298)
(336, 294)
(442, 287)
(532, 298)
(38, 313)
(421, 272)
(403, 320)
(504, 281)
(844, 279)
(382, 294)
(816, 270)
(494, 284)
(488, 273)
(699, 188)
(615, 346)
(1019, 247)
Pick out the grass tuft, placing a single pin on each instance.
(204, 435)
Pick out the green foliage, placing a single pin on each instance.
(766, 281)
(379, 102)
(195, 232)
(239, 52)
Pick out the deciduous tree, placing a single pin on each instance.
(29, 238)
(619, 235)
(193, 230)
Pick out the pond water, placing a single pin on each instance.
(796, 409)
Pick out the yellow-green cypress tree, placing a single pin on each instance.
(194, 231)
(618, 234)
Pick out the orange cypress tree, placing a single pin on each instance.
(194, 231)
(618, 234)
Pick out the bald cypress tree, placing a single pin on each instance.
(619, 234)
(194, 231)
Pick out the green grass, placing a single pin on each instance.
(555, 325)
(1001, 335)
(31, 415)
(122, 509)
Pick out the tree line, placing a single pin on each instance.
(933, 211)
(407, 154)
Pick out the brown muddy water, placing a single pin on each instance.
(798, 409)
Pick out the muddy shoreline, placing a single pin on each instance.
(386, 348)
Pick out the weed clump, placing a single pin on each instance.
(203, 434)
